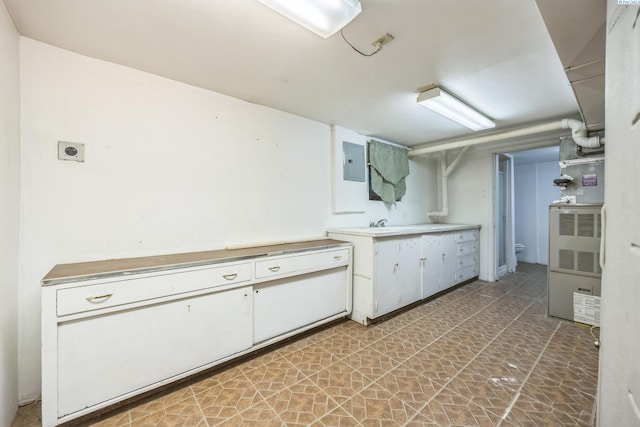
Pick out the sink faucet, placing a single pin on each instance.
(380, 223)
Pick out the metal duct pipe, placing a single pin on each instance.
(578, 133)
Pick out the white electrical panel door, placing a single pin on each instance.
(103, 357)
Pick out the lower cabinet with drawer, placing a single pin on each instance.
(460, 259)
(107, 339)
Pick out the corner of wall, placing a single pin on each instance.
(9, 214)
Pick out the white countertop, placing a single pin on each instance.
(400, 230)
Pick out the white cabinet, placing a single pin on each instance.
(449, 258)
(392, 271)
(432, 259)
(396, 274)
(109, 336)
(103, 357)
(284, 305)
(386, 263)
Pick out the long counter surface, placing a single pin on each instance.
(116, 267)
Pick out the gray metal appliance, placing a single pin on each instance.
(574, 254)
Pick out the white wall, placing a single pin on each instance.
(619, 375)
(534, 191)
(9, 215)
(471, 202)
(169, 168)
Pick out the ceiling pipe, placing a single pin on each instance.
(445, 171)
(578, 133)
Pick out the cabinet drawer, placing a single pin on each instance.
(466, 248)
(465, 261)
(466, 235)
(129, 289)
(301, 263)
(466, 273)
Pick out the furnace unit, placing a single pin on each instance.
(574, 255)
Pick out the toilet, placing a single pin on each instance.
(519, 247)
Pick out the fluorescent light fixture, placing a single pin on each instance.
(443, 103)
(323, 17)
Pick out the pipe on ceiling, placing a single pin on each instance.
(578, 133)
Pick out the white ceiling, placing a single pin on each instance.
(497, 55)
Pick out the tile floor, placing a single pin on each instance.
(481, 355)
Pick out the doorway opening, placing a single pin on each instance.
(532, 191)
(503, 216)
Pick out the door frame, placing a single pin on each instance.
(509, 232)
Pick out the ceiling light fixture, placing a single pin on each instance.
(323, 17)
(449, 106)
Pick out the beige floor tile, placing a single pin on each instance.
(341, 381)
(226, 399)
(375, 406)
(412, 388)
(312, 359)
(260, 415)
(436, 367)
(274, 377)
(337, 418)
(450, 409)
(158, 405)
(395, 348)
(371, 363)
(528, 412)
(301, 404)
(184, 413)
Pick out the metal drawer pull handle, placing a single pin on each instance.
(230, 276)
(274, 269)
(100, 298)
(337, 257)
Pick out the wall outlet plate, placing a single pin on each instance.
(70, 151)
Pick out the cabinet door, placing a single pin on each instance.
(449, 260)
(281, 306)
(409, 270)
(107, 356)
(386, 295)
(431, 264)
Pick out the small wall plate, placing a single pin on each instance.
(70, 151)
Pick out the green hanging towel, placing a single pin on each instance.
(389, 167)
